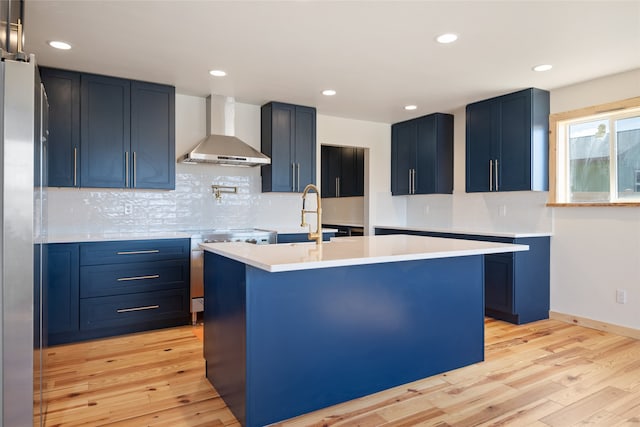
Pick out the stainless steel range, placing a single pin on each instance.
(249, 235)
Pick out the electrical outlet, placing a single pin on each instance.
(128, 208)
(503, 210)
(426, 210)
(621, 296)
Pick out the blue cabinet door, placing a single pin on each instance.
(152, 136)
(347, 181)
(63, 292)
(404, 138)
(288, 137)
(63, 93)
(305, 146)
(277, 140)
(105, 132)
(514, 169)
(498, 283)
(480, 152)
(330, 160)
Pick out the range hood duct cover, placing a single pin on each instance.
(223, 149)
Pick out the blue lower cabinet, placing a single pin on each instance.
(498, 283)
(516, 284)
(275, 349)
(63, 291)
(301, 237)
(101, 289)
(134, 311)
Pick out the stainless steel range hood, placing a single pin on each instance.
(223, 148)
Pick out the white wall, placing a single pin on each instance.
(343, 210)
(596, 250)
(191, 206)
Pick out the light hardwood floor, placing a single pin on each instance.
(546, 373)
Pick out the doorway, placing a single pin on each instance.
(343, 182)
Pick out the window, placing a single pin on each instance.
(597, 155)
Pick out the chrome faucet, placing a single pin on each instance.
(317, 236)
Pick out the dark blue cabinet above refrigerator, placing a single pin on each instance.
(422, 155)
(507, 142)
(107, 132)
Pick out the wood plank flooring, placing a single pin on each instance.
(547, 373)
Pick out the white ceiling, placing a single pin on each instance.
(378, 55)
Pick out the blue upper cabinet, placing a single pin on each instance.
(288, 137)
(152, 136)
(63, 93)
(342, 171)
(422, 155)
(507, 142)
(105, 123)
(108, 132)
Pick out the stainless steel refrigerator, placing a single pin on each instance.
(22, 131)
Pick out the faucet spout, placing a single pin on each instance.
(317, 235)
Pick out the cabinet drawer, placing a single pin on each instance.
(115, 279)
(124, 310)
(127, 251)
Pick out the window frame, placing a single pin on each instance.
(558, 149)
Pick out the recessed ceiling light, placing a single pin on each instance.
(543, 67)
(410, 107)
(59, 45)
(447, 38)
(328, 92)
(217, 73)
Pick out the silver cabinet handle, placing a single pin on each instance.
(495, 164)
(75, 166)
(146, 307)
(126, 279)
(126, 169)
(298, 177)
(293, 177)
(134, 170)
(490, 175)
(409, 181)
(151, 251)
(413, 181)
(336, 186)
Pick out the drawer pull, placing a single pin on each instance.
(152, 251)
(125, 279)
(147, 307)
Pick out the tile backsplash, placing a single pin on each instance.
(191, 206)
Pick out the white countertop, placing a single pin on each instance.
(105, 237)
(355, 250)
(474, 231)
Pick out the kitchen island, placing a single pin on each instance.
(292, 328)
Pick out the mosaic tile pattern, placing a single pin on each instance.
(191, 206)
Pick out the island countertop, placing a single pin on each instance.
(355, 250)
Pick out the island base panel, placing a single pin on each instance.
(282, 344)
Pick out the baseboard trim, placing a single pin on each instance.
(595, 324)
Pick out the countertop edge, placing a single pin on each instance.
(476, 232)
(224, 250)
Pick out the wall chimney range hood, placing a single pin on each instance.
(222, 148)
